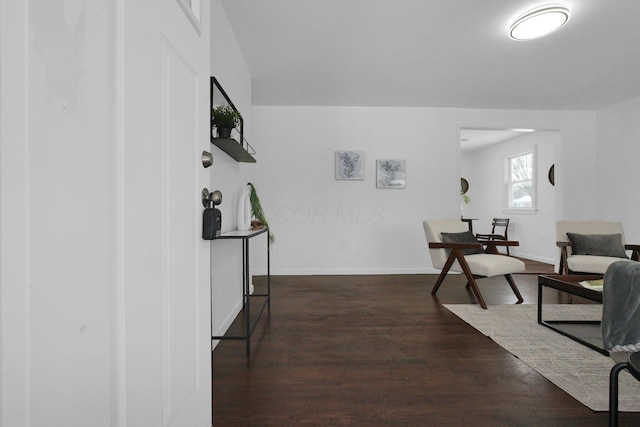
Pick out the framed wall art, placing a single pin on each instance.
(349, 165)
(390, 173)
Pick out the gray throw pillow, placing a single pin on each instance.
(597, 244)
(464, 237)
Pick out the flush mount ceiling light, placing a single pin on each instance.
(539, 22)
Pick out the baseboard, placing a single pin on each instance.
(534, 258)
(351, 271)
(382, 271)
(226, 324)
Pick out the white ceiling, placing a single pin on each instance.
(476, 139)
(436, 53)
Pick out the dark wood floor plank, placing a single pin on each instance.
(381, 350)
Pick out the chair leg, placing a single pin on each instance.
(457, 254)
(476, 292)
(613, 392)
(514, 288)
(443, 273)
(471, 281)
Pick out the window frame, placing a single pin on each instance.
(509, 183)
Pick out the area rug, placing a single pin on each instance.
(575, 368)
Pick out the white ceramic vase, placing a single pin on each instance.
(244, 210)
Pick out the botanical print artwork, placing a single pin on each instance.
(349, 164)
(390, 173)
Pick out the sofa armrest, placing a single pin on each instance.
(446, 245)
(490, 236)
(490, 245)
(502, 243)
(563, 267)
(635, 251)
(493, 244)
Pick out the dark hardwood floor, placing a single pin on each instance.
(381, 350)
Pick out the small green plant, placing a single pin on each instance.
(256, 209)
(225, 116)
(466, 199)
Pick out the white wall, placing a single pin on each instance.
(228, 176)
(485, 169)
(618, 151)
(324, 226)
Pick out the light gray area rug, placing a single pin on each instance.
(575, 368)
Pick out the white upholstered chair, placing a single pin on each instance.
(488, 263)
(572, 263)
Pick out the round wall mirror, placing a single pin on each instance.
(464, 186)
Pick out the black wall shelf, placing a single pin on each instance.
(235, 149)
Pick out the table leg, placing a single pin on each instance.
(268, 272)
(539, 304)
(247, 304)
(613, 392)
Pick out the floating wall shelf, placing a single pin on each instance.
(235, 149)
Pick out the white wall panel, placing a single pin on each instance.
(618, 194)
(228, 176)
(485, 169)
(324, 226)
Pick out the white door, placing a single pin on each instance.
(104, 291)
(165, 290)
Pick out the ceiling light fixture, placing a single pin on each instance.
(539, 22)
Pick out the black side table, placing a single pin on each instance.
(633, 366)
(469, 222)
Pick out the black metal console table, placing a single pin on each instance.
(245, 236)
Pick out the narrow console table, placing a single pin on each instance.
(249, 326)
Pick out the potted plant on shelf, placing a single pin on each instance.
(225, 119)
(256, 210)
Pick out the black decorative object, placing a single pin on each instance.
(211, 217)
(224, 133)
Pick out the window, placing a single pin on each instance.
(520, 181)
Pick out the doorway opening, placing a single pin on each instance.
(486, 166)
